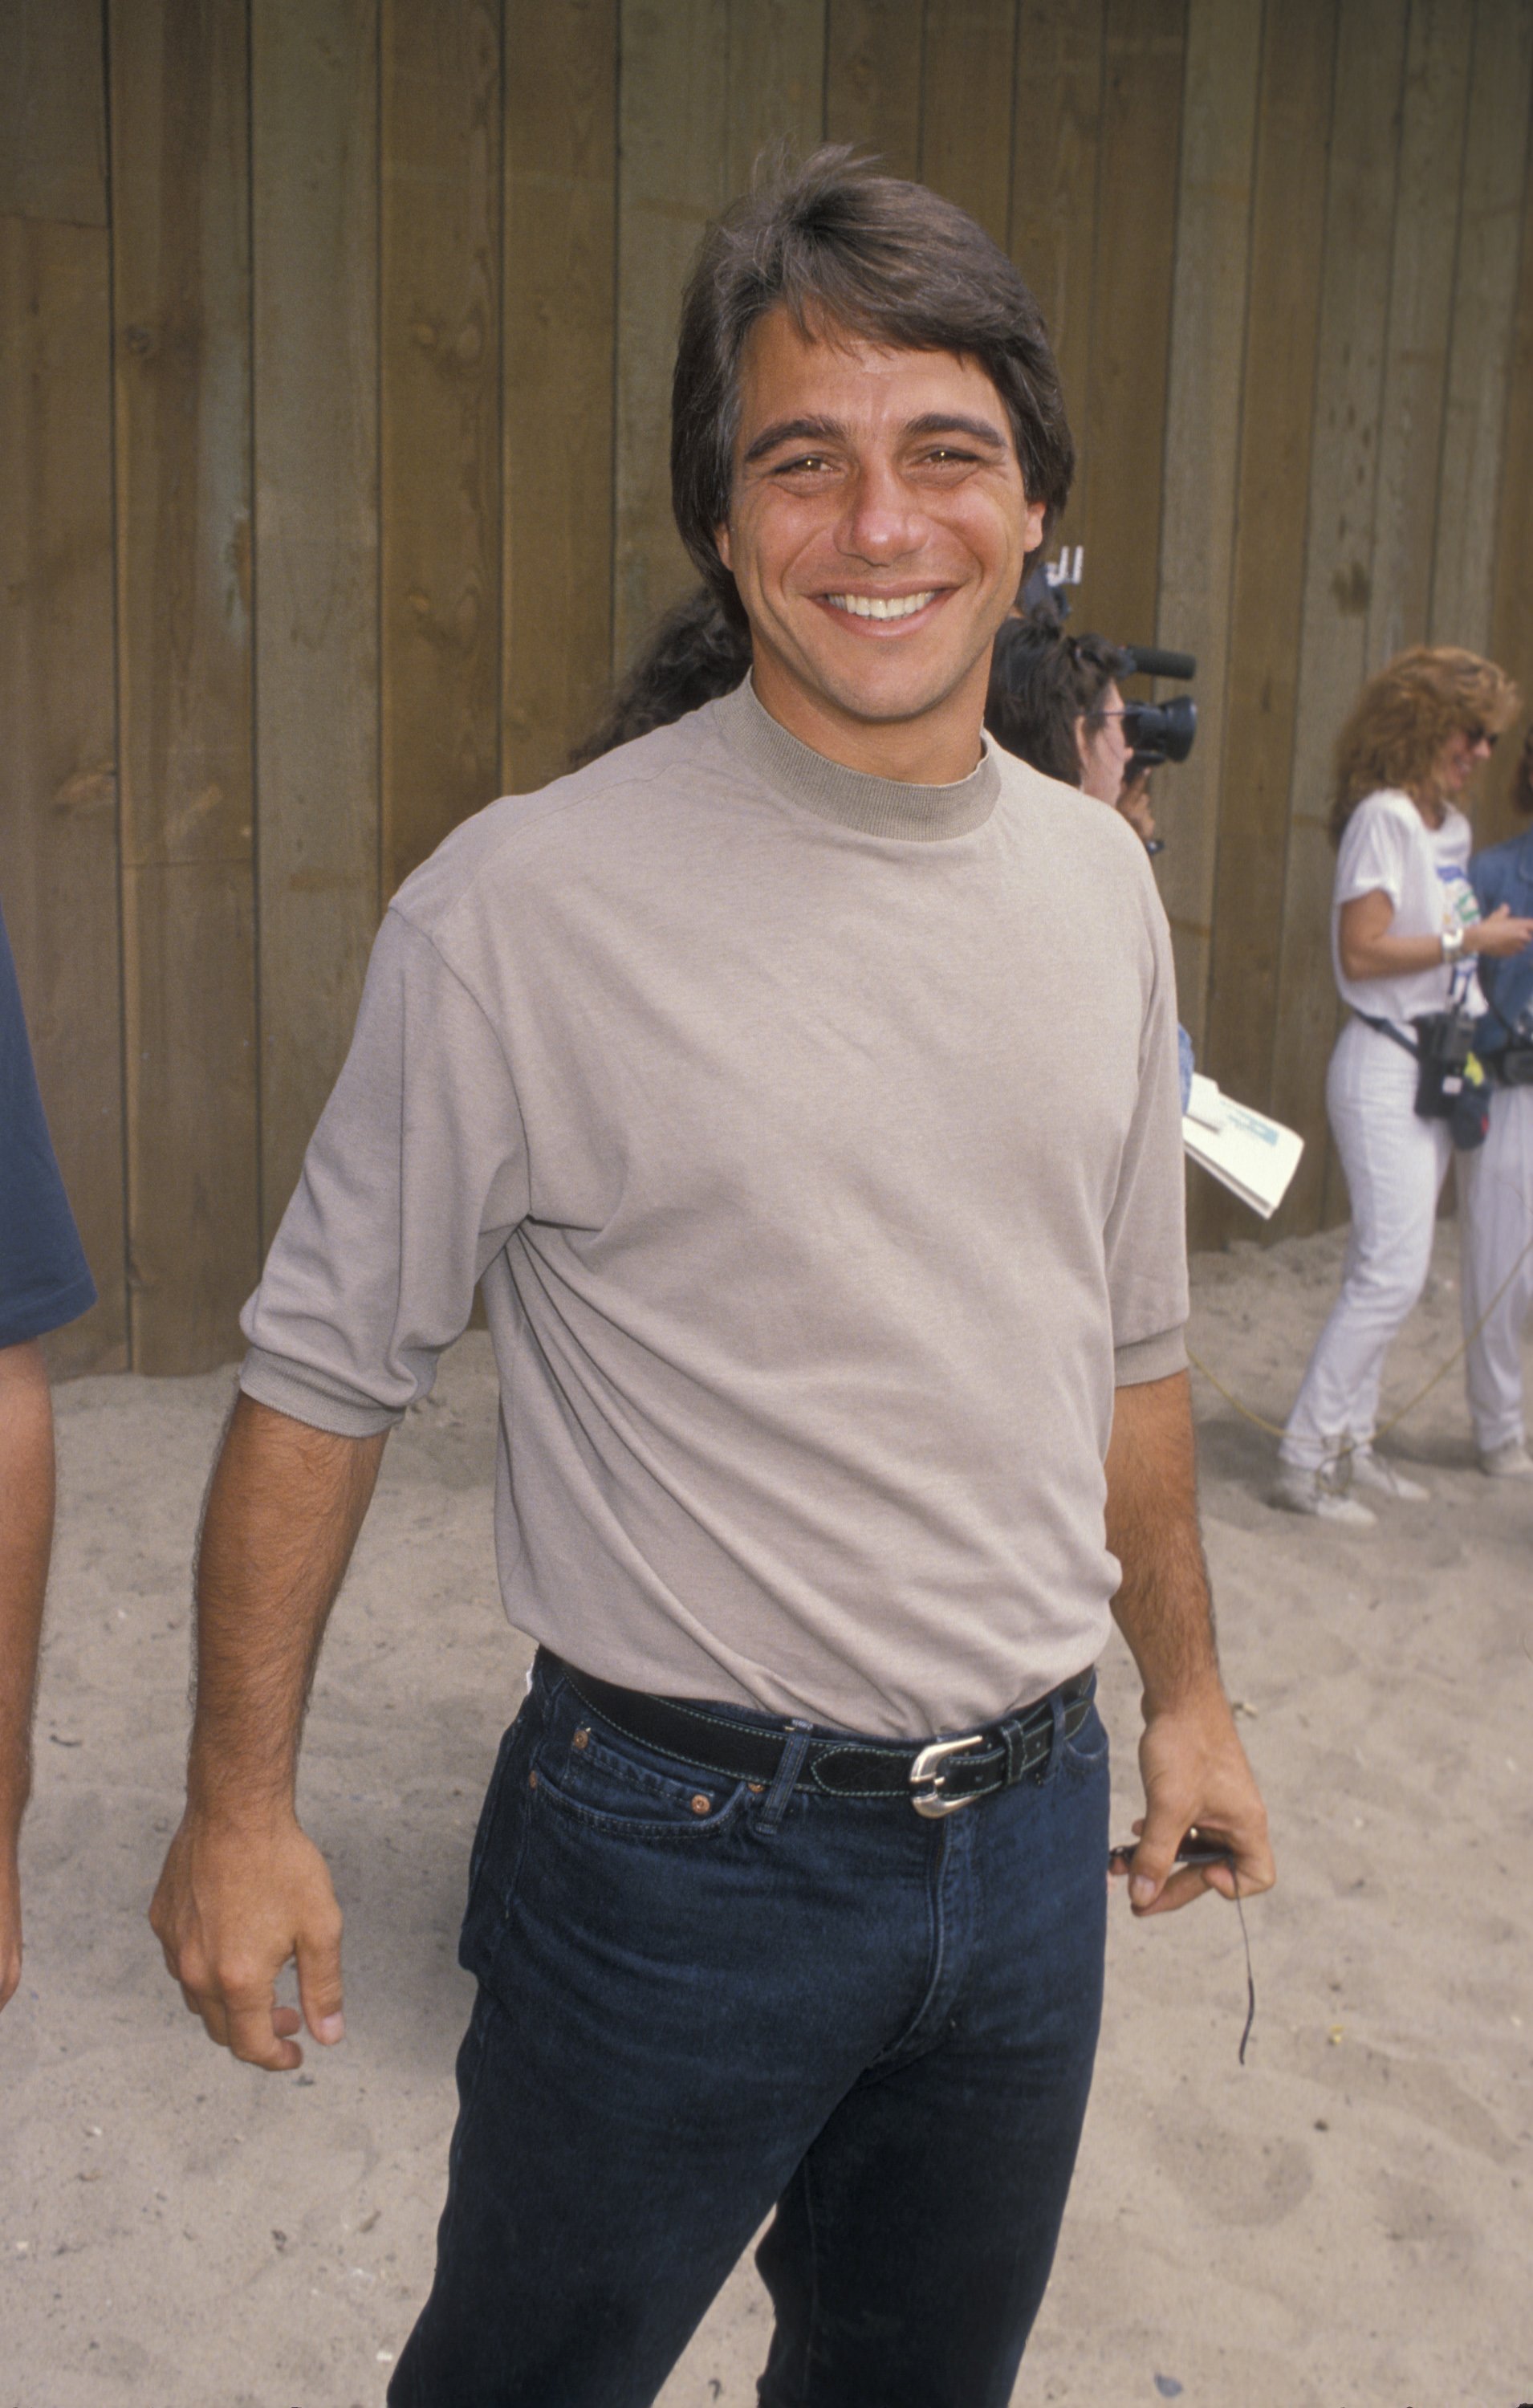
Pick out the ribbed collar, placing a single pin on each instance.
(875, 806)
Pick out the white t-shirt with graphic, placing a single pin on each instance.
(1387, 848)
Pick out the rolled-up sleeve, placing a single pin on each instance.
(1146, 1237)
(416, 1177)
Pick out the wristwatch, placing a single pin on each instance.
(1453, 943)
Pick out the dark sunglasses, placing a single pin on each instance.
(1489, 737)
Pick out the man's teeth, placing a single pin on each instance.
(878, 606)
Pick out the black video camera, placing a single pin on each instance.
(1157, 732)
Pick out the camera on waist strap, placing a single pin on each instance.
(1452, 1084)
(1510, 1064)
(1512, 1067)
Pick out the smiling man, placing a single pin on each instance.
(800, 1082)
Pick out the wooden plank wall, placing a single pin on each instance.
(334, 365)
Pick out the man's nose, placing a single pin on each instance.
(881, 522)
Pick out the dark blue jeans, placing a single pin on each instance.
(698, 2003)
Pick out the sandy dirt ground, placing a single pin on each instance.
(1344, 2221)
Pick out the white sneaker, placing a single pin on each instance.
(1511, 1460)
(1305, 1492)
(1386, 1478)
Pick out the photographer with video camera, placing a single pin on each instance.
(1406, 932)
(1496, 1184)
(1057, 702)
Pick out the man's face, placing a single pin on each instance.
(877, 533)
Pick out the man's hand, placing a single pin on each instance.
(235, 1904)
(244, 1891)
(1195, 1772)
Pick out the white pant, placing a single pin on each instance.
(1495, 1202)
(1394, 1164)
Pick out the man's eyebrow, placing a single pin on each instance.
(793, 430)
(948, 422)
(833, 430)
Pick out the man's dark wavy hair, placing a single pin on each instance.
(841, 247)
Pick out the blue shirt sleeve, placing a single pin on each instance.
(44, 1280)
(1504, 874)
(1185, 1065)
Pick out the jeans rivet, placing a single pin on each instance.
(532, 1781)
(701, 1805)
(581, 1738)
(755, 1788)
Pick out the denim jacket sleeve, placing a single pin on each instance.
(1504, 874)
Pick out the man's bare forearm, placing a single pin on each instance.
(1163, 1606)
(26, 1537)
(283, 1511)
(1194, 1767)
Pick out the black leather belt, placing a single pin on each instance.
(937, 1776)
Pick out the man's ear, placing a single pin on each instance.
(721, 543)
(1033, 527)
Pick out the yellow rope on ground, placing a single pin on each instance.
(1274, 1429)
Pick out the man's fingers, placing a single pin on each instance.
(1182, 1886)
(252, 2037)
(1154, 1858)
(319, 1979)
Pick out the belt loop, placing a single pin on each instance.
(1056, 1737)
(1014, 1739)
(795, 1750)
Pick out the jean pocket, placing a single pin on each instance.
(1087, 1750)
(583, 1775)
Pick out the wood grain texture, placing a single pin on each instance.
(1282, 328)
(52, 111)
(1338, 584)
(969, 66)
(873, 79)
(314, 118)
(181, 254)
(1201, 476)
(1055, 167)
(1480, 338)
(440, 421)
(1124, 426)
(672, 147)
(776, 83)
(1512, 614)
(1426, 238)
(58, 766)
(560, 261)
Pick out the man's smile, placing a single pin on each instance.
(884, 605)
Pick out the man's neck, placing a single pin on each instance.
(935, 749)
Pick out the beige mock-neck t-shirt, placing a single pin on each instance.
(816, 1140)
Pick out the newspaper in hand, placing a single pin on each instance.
(1253, 1156)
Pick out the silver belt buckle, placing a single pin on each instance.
(927, 1768)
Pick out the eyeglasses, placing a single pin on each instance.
(1488, 737)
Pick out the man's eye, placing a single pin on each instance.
(793, 467)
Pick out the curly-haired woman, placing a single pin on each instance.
(1496, 1184)
(1404, 926)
